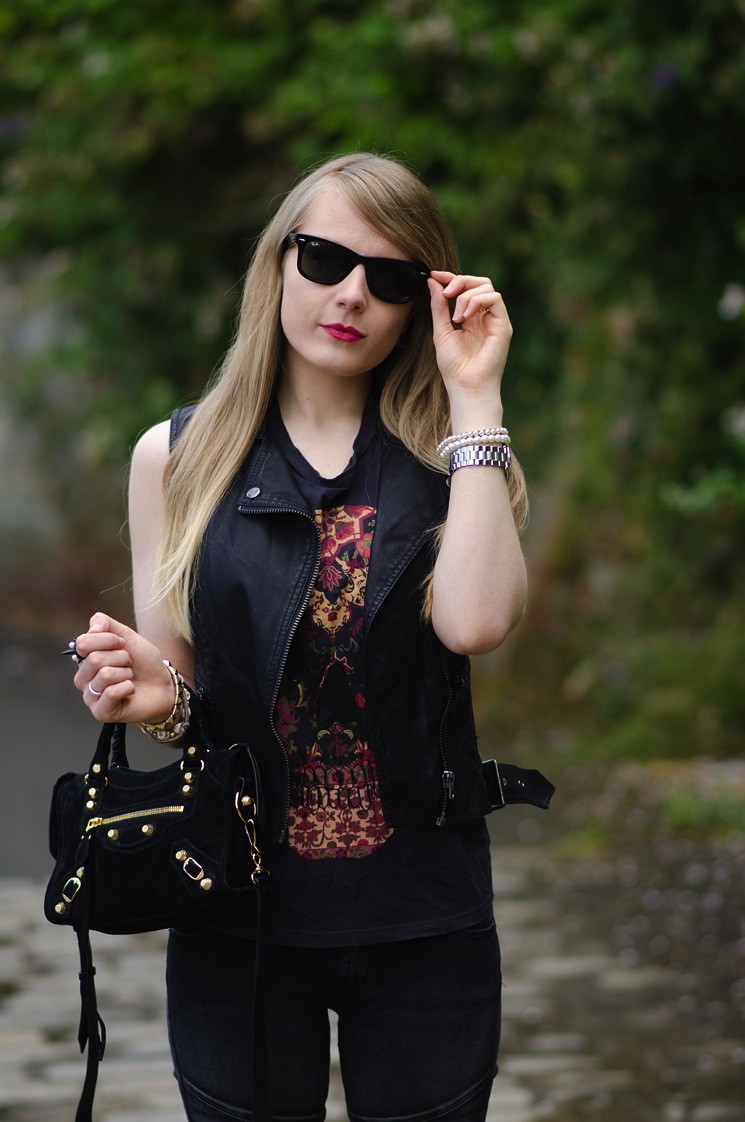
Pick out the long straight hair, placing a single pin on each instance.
(413, 405)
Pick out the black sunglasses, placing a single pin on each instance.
(325, 262)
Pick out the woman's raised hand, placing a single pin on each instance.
(472, 346)
(121, 675)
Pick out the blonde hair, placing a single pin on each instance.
(413, 405)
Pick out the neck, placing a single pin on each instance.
(323, 420)
(325, 404)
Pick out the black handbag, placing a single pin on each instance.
(145, 850)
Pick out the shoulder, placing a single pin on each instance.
(151, 451)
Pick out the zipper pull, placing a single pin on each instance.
(448, 783)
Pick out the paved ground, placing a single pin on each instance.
(623, 1000)
(586, 1035)
(41, 1069)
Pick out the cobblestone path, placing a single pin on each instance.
(581, 1023)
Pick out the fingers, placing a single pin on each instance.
(120, 675)
(473, 296)
(106, 704)
(104, 668)
(104, 673)
(441, 322)
(104, 634)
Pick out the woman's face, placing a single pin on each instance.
(338, 330)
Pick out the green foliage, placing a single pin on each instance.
(722, 813)
(588, 155)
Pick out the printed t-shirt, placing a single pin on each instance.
(343, 876)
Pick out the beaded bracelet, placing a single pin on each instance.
(177, 721)
(471, 442)
(478, 455)
(471, 438)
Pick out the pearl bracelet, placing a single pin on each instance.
(177, 721)
(481, 455)
(471, 438)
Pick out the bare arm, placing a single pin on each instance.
(146, 513)
(122, 665)
(479, 585)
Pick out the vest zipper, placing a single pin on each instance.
(286, 650)
(448, 776)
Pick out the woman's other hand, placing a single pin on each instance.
(121, 675)
(471, 347)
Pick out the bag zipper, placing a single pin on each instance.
(94, 823)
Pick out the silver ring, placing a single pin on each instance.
(95, 692)
(73, 652)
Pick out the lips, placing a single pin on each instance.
(342, 333)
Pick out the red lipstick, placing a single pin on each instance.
(342, 333)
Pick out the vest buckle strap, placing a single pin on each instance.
(508, 784)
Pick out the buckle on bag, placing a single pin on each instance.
(193, 869)
(71, 889)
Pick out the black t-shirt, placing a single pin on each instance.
(343, 876)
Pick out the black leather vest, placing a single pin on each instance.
(259, 561)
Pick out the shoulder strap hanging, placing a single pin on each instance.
(92, 1030)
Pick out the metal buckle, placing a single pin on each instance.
(71, 889)
(494, 785)
(193, 869)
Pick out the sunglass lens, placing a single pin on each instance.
(393, 282)
(324, 262)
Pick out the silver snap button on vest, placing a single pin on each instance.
(253, 493)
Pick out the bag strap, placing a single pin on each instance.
(92, 1030)
(262, 1111)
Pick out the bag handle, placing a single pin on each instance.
(119, 746)
(111, 749)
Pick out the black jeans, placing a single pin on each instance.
(418, 1023)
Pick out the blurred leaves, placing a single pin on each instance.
(588, 155)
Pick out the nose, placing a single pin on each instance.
(352, 291)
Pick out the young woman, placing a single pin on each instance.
(307, 560)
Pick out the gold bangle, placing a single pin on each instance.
(177, 722)
(176, 692)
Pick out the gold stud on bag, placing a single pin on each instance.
(161, 849)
